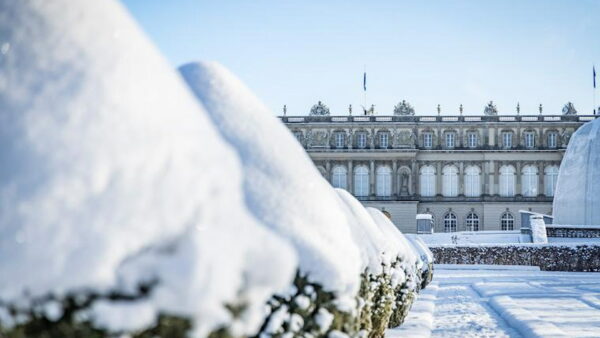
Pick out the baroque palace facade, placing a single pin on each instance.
(469, 172)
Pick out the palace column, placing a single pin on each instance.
(518, 189)
(372, 178)
(350, 177)
(350, 136)
(414, 187)
(328, 170)
(438, 178)
(461, 178)
(493, 178)
(372, 143)
(395, 188)
(491, 137)
(541, 178)
(485, 176)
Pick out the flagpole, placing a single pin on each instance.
(594, 91)
(365, 86)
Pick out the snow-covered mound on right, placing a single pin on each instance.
(282, 186)
(113, 177)
(577, 196)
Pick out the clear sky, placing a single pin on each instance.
(426, 52)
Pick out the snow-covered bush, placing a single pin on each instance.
(282, 186)
(113, 211)
(406, 260)
(426, 256)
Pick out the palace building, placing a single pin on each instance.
(469, 172)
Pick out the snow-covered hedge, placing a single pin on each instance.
(132, 204)
(550, 257)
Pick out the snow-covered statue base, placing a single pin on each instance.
(577, 197)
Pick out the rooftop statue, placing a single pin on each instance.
(370, 111)
(490, 109)
(404, 108)
(319, 109)
(569, 109)
(577, 194)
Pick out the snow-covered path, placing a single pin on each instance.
(495, 301)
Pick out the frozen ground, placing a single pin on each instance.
(497, 301)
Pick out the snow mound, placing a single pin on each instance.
(282, 186)
(113, 175)
(577, 194)
(376, 249)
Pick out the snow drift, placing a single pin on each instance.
(112, 175)
(281, 184)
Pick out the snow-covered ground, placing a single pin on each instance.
(497, 301)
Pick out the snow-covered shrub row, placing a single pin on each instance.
(332, 256)
(131, 206)
(549, 257)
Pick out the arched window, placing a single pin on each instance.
(450, 222)
(472, 181)
(550, 177)
(472, 222)
(529, 181)
(361, 181)
(384, 181)
(507, 221)
(507, 181)
(450, 182)
(339, 178)
(427, 181)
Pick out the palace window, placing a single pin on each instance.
(450, 222)
(340, 140)
(529, 181)
(551, 175)
(507, 181)
(427, 181)
(450, 182)
(428, 140)
(472, 181)
(384, 181)
(472, 222)
(529, 139)
(361, 181)
(450, 138)
(507, 139)
(552, 138)
(361, 140)
(384, 140)
(472, 140)
(339, 178)
(507, 221)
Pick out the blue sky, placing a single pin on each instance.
(426, 52)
